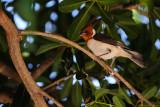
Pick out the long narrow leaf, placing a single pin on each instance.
(125, 95)
(70, 5)
(76, 95)
(100, 92)
(118, 101)
(149, 92)
(47, 47)
(66, 89)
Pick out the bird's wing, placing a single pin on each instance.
(106, 39)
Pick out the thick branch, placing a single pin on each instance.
(102, 63)
(13, 37)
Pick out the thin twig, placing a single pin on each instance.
(102, 63)
(54, 83)
(51, 98)
(8, 72)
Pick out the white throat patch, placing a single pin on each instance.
(94, 32)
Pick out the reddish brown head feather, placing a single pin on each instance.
(88, 30)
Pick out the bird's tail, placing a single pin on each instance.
(137, 58)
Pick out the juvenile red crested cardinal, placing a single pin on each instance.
(107, 48)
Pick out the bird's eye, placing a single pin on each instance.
(86, 32)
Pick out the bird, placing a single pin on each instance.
(106, 47)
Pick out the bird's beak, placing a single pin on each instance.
(82, 34)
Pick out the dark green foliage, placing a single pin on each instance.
(115, 15)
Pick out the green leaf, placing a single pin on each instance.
(157, 12)
(125, 95)
(94, 10)
(149, 92)
(47, 47)
(104, 83)
(67, 58)
(78, 23)
(89, 65)
(100, 92)
(3, 43)
(118, 101)
(66, 88)
(76, 94)
(99, 105)
(86, 89)
(69, 5)
(108, 2)
(112, 2)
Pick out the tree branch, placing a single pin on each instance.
(51, 98)
(13, 38)
(8, 72)
(102, 63)
(51, 85)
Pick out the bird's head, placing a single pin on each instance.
(88, 32)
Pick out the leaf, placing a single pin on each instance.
(108, 2)
(69, 5)
(66, 88)
(80, 59)
(89, 65)
(112, 2)
(94, 10)
(100, 92)
(76, 95)
(47, 47)
(78, 23)
(149, 92)
(104, 83)
(86, 89)
(99, 105)
(67, 58)
(157, 12)
(125, 95)
(3, 43)
(118, 101)
(21, 98)
(154, 30)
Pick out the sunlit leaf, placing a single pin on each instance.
(149, 92)
(125, 95)
(66, 88)
(100, 92)
(76, 94)
(70, 5)
(118, 101)
(47, 47)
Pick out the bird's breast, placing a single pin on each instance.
(103, 50)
